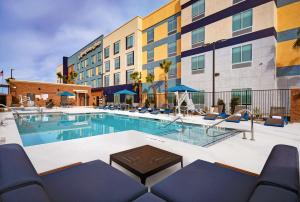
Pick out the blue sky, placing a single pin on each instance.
(35, 34)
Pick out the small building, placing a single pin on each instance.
(35, 93)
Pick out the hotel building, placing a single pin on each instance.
(249, 43)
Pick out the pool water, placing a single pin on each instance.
(47, 128)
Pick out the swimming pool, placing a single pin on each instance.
(47, 128)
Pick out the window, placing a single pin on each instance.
(90, 73)
(244, 95)
(242, 21)
(117, 62)
(198, 10)
(172, 26)
(100, 82)
(116, 79)
(78, 66)
(242, 54)
(99, 57)
(116, 47)
(128, 78)
(150, 35)
(129, 41)
(106, 52)
(198, 62)
(94, 83)
(172, 48)
(130, 58)
(198, 37)
(106, 81)
(107, 66)
(98, 70)
(237, 1)
(93, 59)
(150, 55)
(173, 70)
(80, 75)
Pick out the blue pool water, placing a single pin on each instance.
(47, 128)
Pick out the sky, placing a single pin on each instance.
(36, 34)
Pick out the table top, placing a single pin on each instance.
(145, 160)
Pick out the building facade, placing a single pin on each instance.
(161, 41)
(59, 70)
(240, 44)
(288, 58)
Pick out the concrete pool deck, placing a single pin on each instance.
(234, 151)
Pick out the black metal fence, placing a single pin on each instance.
(262, 103)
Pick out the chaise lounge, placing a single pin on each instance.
(205, 181)
(92, 181)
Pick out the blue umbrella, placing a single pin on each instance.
(65, 93)
(181, 88)
(125, 92)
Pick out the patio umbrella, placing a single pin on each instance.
(125, 92)
(65, 93)
(181, 88)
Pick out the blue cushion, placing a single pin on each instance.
(148, 197)
(29, 193)
(92, 181)
(282, 168)
(204, 181)
(265, 193)
(15, 168)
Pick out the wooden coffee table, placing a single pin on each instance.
(145, 161)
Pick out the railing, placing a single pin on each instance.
(263, 103)
(176, 119)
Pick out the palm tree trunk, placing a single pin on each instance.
(154, 94)
(140, 92)
(166, 92)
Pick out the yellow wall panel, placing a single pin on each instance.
(144, 75)
(161, 14)
(144, 57)
(178, 46)
(161, 52)
(179, 24)
(286, 55)
(288, 17)
(144, 39)
(178, 70)
(161, 31)
(159, 74)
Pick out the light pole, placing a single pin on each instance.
(11, 70)
(214, 74)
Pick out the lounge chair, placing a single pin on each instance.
(244, 114)
(236, 118)
(91, 181)
(205, 181)
(132, 110)
(277, 118)
(155, 112)
(143, 110)
(211, 116)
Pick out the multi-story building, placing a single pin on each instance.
(288, 58)
(59, 69)
(161, 41)
(238, 44)
(122, 53)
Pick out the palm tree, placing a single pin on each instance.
(297, 42)
(150, 80)
(60, 76)
(72, 77)
(165, 65)
(137, 85)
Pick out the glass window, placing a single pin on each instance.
(130, 58)
(150, 35)
(99, 57)
(78, 65)
(150, 55)
(198, 8)
(107, 66)
(129, 41)
(117, 62)
(242, 20)
(172, 26)
(198, 36)
(173, 70)
(242, 54)
(106, 52)
(128, 78)
(198, 62)
(117, 47)
(244, 95)
(100, 82)
(93, 59)
(172, 48)
(106, 80)
(116, 78)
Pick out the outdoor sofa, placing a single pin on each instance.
(205, 181)
(92, 181)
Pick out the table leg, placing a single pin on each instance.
(181, 164)
(110, 161)
(143, 180)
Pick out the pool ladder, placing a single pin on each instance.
(173, 121)
(243, 131)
